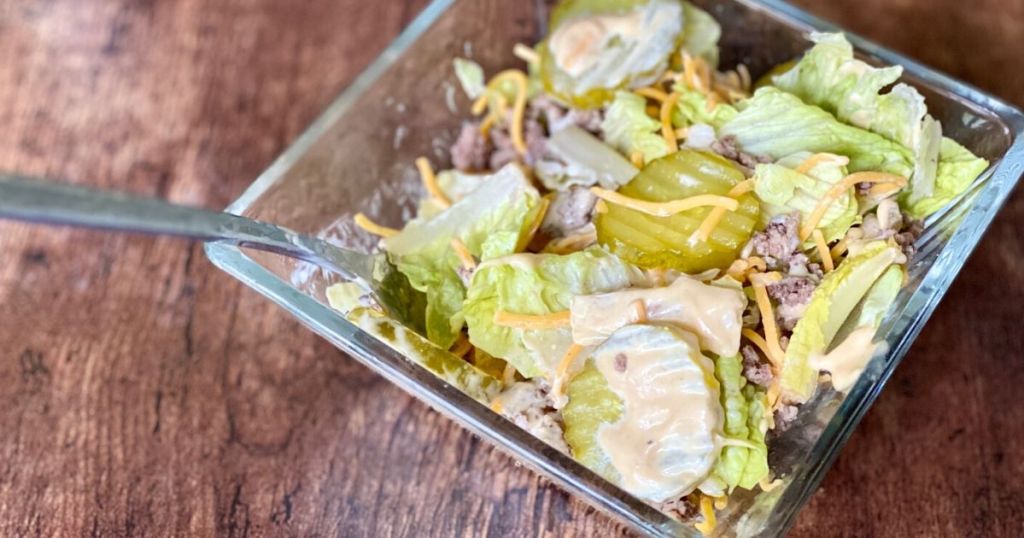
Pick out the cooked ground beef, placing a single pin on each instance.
(683, 509)
(726, 147)
(779, 241)
(556, 117)
(756, 370)
(505, 152)
(906, 237)
(784, 417)
(570, 210)
(792, 293)
(470, 152)
(528, 406)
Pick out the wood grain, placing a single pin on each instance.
(142, 392)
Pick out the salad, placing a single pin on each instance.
(649, 262)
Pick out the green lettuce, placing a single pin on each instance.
(957, 169)
(455, 185)
(628, 128)
(774, 123)
(830, 77)
(490, 222)
(831, 305)
(783, 190)
(700, 33)
(471, 77)
(744, 406)
(537, 284)
(693, 108)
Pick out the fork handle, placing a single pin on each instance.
(42, 201)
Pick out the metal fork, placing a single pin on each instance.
(43, 201)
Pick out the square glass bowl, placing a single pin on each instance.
(358, 157)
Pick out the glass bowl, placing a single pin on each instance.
(358, 157)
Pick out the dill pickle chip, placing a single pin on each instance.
(591, 405)
(667, 242)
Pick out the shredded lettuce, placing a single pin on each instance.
(830, 77)
(455, 185)
(776, 124)
(738, 465)
(783, 190)
(490, 222)
(700, 33)
(628, 128)
(957, 169)
(576, 157)
(471, 77)
(693, 109)
(537, 284)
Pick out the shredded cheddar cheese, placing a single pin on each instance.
(883, 190)
(758, 263)
(496, 405)
(668, 132)
(430, 182)
(365, 223)
(529, 321)
(508, 375)
(465, 256)
(651, 92)
(518, 108)
(760, 343)
(774, 392)
(488, 124)
(707, 510)
(768, 485)
(836, 191)
(823, 252)
(717, 214)
(525, 53)
(545, 203)
(666, 209)
(461, 346)
(839, 249)
(572, 243)
(682, 132)
(600, 207)
(771, 330)
(639, 311)
(721, 503)
(820, 158)
(562, 370)
(637, 158)
(738, 270)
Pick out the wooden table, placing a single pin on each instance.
(142, 392)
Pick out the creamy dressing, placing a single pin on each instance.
(713, 313)
(668, 438)
(847, 360)
(603, 51)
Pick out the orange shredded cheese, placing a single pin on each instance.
(823, 252)
(774, 392)
(562, 370)
(365, 223)
(839, 249)
(651, 92)
(758, 263)
(508, 375)
(768, 485)
(463, 253)
(532, 321)
(738, 270)
(518, 108)
(525, 53)
(496, 405)
(639, 311)
(545, 203)
(819, 158)
(488, 124)
(430, 182)
(666, 209)
(721, 503)
(760, 343)
(717, 214)
(771, 330)
(682, 132)
(707, 510)
(572, 243)
(637, 158)
(883, 190)
(601, 207)
(461, 346)
(836, 191)
(667, 131)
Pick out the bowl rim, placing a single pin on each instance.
(1001, 179)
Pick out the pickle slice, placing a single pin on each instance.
(665, 242)
(591, 405)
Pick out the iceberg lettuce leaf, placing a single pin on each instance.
(490, 222)
(537, 284)
(775, 123)
(784, 190)
(957, 170)
(693, 108)
(628, 128)
(700, 33)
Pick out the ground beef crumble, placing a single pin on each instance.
(779, 241)
(727, 147)
(792, 293)
(785, 415)
(528, 406)
(470, 151)
(570, 211)
(756, 370)
(684, 509)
